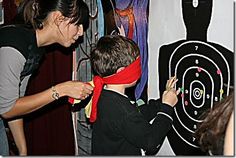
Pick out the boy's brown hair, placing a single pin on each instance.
(111, 53)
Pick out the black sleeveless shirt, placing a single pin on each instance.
(24, 40)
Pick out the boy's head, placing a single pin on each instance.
(115, 60)
(111, 53)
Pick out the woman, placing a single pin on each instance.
(54, 21)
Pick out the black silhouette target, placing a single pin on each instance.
(205, 72)
(203, 77)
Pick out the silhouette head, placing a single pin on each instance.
(196, 15)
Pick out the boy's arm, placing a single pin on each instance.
(17, 130)
(142, 134)
(150, 110)
(149, 136)
(169, 97)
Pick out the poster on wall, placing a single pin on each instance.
(109, 17)
(130, 18)
(1, 13)
(187, 40)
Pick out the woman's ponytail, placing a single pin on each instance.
(31, 13)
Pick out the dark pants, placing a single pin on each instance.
(4, 148)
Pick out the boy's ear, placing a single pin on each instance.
(120, 69)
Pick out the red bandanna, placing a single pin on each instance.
(128, 75)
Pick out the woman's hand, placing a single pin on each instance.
(170, 94)
(74, 89)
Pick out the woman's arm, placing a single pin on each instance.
(31, 103)
(229, 137)
(17, 130)
(11, 65)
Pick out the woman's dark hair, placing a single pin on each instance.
(111, 53)
(211, 132)
(36, 11)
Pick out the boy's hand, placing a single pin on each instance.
(170, 94)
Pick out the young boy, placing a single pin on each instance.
(121, 127)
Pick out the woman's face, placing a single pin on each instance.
(69, 33)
